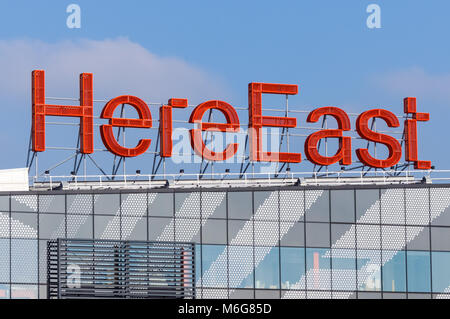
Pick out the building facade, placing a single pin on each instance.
(263, 242)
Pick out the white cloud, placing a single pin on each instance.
(120, 66)
(416, 81)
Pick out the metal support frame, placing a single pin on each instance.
(116, 165)
(243, 169)
(323, 126)
(284, 132)
(155, 166)
(207, 163)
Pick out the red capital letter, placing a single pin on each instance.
(394, 147)
(165, 125)
(41, 110)
(232, 125)
(411, 154)
(257, 121)
(344, 154)
(144, 121)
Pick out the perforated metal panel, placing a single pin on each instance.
(80, 204)
(417, 206)
(393, 237)
(368, 237)
(393, 206)
(318, 294)
(343, 269)
(291, 205)
(244, 231)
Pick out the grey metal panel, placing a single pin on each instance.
(440, 210)
(267, 294)
(317, 235)
(106, 204)
(214, 232)
(319, 210)
(392, 295)
(418, 296)
(418, 238)
(81, 204)
(368, 206)
(295, 236)
(24, 203)
(240, 205)
(343, 206)
(440, 238)
(4, 203)
(52, 204)
(160, 204)
(242, 294)
(369, 295)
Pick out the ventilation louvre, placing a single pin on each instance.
(120, 269)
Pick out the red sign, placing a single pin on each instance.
(256, 122)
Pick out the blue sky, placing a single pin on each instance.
(323, 46)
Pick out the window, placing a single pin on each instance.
(318, 269)
(292, 267)
(344, 269)
(24, 291)
(394, 271)
(418, 271)
(441, 271)
(24, 265)
(241, 267)
(4, 291)
(369, 270)
(214, 266)
(267, 272)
